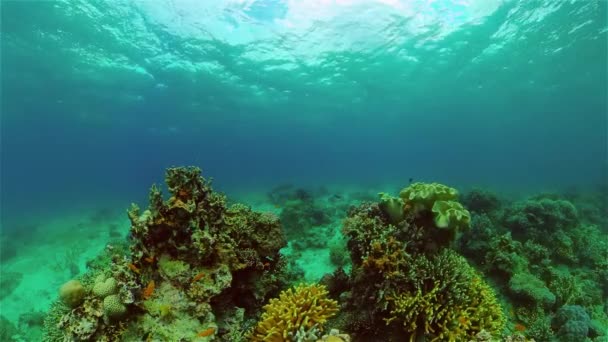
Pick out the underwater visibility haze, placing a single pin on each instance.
(388, 170)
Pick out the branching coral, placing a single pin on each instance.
(445, 300)
(305, 308)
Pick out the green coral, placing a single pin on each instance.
(572, 322)
(528, 286)
(392, 207)
(434, 206)
(173, 269)
(541, 215)
(72, 293)
(451, 215)
(113, 308)
(105, 287)
(421, 309)
(425, 195)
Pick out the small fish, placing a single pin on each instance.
(134, 268)
(198, 277)
(520, 327)
(149, 259)
(149, 290)
(411, 180)
(206, 332)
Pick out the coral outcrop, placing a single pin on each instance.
(191, 258)
(406, 284)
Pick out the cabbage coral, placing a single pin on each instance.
(425, 195)
(305, 308)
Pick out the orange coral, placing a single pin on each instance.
(206, 332)
(149, 290)
(520, 327)
(198, 277)
(134, 268)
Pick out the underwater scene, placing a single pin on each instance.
(304, 170)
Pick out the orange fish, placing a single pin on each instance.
(134, 268)
(149, 289)
(149, 259)
(520, 327)
(198, 277)
(206, 332)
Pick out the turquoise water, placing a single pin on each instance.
(503, 94)
(100, 97)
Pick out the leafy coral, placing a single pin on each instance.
(451, 215)
(426, 194)
(392, 207)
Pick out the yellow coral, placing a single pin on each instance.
(305, 308)
(441, 314)
(451, 215)
(425, 194)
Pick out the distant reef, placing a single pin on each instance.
(423, 265)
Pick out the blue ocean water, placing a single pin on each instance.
(100, 97)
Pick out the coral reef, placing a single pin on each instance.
(481, 201)
(191, 257)
(403, 272)
(300, 311)
(300, 214)
(543, 255)
(408, 268)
